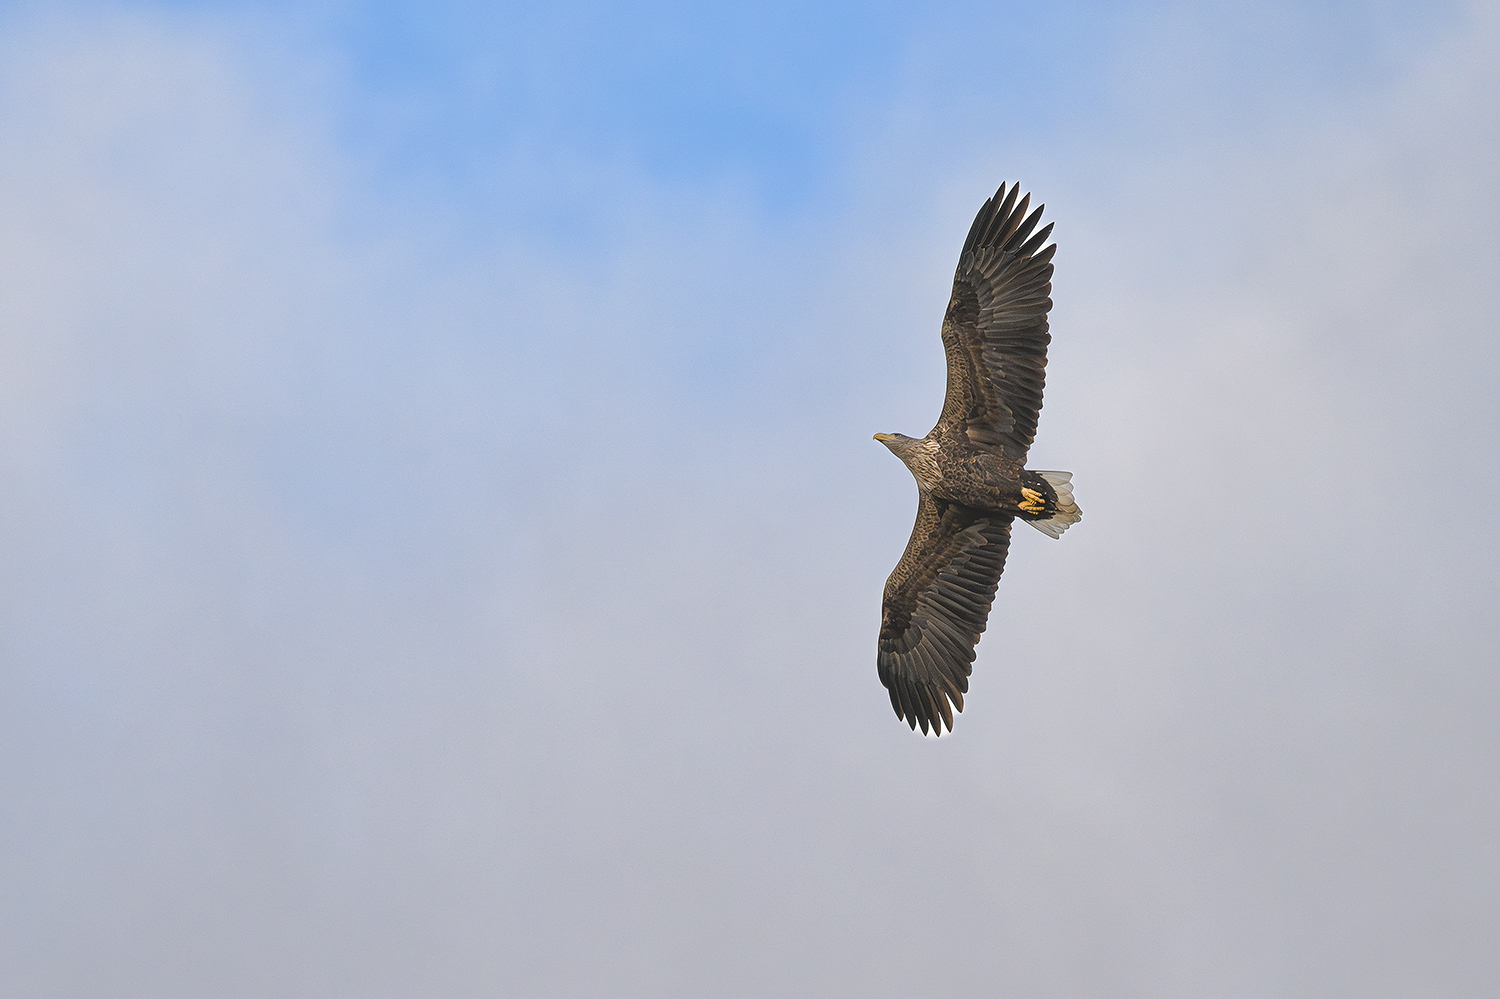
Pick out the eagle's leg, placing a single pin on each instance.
(1033, 501)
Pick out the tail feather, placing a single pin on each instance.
(1067, 513)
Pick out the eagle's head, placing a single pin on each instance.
(919, 455)
(896, 442)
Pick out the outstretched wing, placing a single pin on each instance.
(995, 330)
(936, 604)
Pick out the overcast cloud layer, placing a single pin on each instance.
(441, 543)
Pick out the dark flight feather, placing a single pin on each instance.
(995, 330)
(936, 605)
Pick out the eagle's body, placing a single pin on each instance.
(970, 469)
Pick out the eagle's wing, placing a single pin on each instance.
(995, 330)
(936, 604)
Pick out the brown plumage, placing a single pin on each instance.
(970, 471)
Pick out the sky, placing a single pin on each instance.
(441, 542)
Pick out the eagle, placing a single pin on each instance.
(970, 470)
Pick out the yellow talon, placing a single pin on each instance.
(1033, 501)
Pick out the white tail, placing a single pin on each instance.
(1067, 513)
